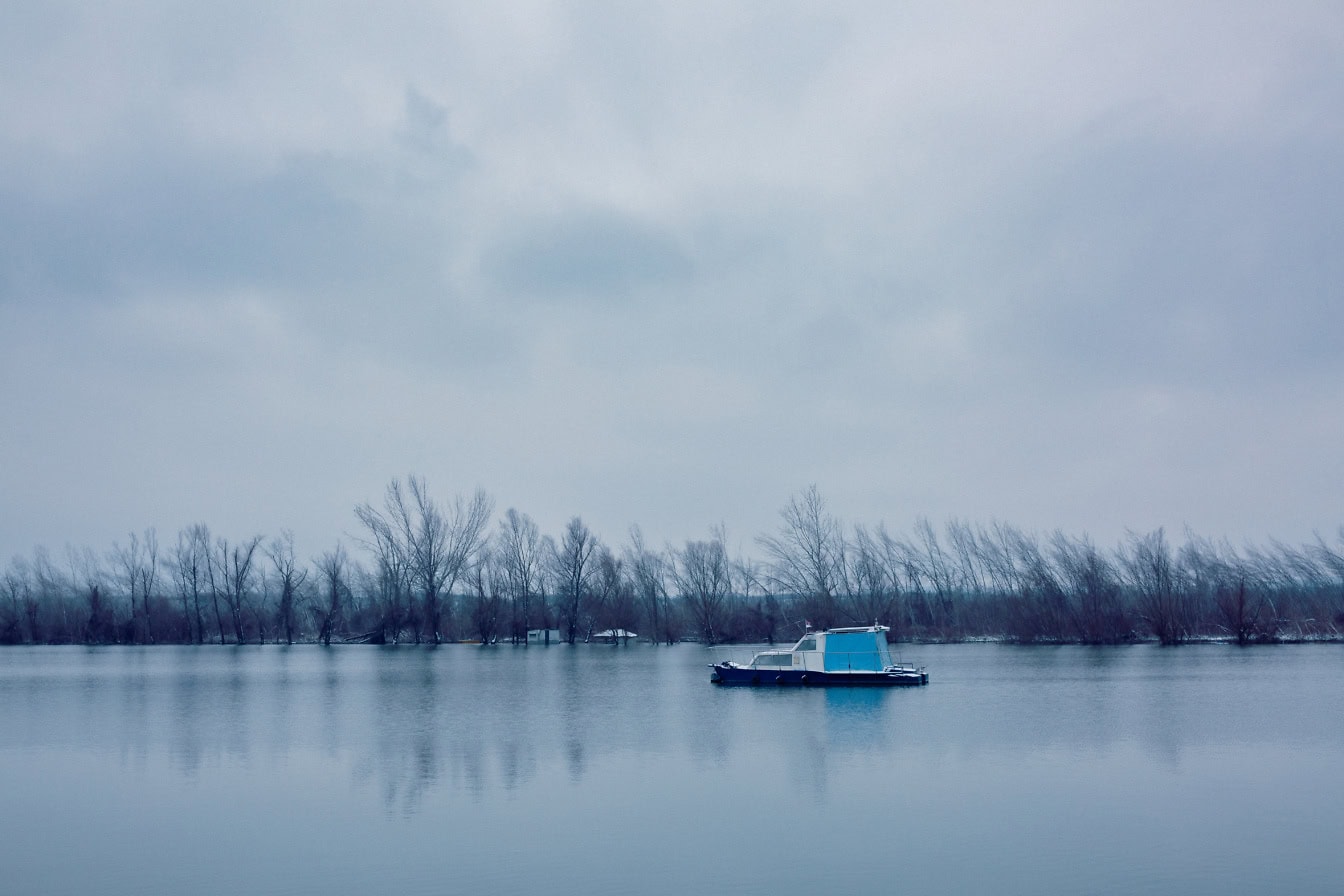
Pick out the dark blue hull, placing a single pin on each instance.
(733, 674)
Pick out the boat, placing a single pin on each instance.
(836, 656)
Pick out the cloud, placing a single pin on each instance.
(586, 254)
(668, 263)
(1156, 261)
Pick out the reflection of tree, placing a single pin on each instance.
(808, 731)
(406, 707)
(187, 741)
(574, 756)
(330, 702)
(210, 704)
(517, 761)
(408, 727)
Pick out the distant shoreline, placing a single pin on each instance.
(425, 570)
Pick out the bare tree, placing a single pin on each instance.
(487, 602)
(1241, 610)
(611, 602)
(262, 602)
(648, 572)
(445, 544)
(1098, 615)
(1040, 610)
(232, 577)
(994, 555)
(393, 532)
(758, 615)
(50, 589)
(1157, 588)
(938, 570)
(806, 555)
(190, 563)
(964, 547)
(621, 607)
(35, 589)
(870, 586)
(1274, 570)
(149, 579)
(434, 544)
(543, 612)
(1222, 581)
(571, 564)
(87, 578)
(519, 551)
(1332, 559)
(391, 579)
(138, 564)
(17, 589)
(384, 593)
(126, 562)
(332, 567)
(215, 575)
(1305, 596)
(291, 579)
(702, 574)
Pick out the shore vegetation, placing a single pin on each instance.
(426, 571)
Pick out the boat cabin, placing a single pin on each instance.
(834, 650)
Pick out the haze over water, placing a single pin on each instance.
(1204, 769)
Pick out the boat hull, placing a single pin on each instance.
(733, 674)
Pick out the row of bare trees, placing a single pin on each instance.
(428, 571)
(998, 581)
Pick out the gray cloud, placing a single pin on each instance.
(666, 264)
(586, 254)
(1149, 262)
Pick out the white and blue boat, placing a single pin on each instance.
(837, 656)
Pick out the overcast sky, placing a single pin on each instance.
(1065, 265)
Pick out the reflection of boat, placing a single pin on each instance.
(835, 656)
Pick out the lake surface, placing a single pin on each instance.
(1202, 769)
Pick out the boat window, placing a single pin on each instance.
(853, 651)
(773, 659)
(807, 644)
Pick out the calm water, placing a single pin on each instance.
(1205, 769)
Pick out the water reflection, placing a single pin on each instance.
(1054, 766)
(233, 728)
(860, 718)
(405, 714)
(186, 694)
(496, 718)
(329, 699)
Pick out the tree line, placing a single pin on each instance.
(424, 570)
